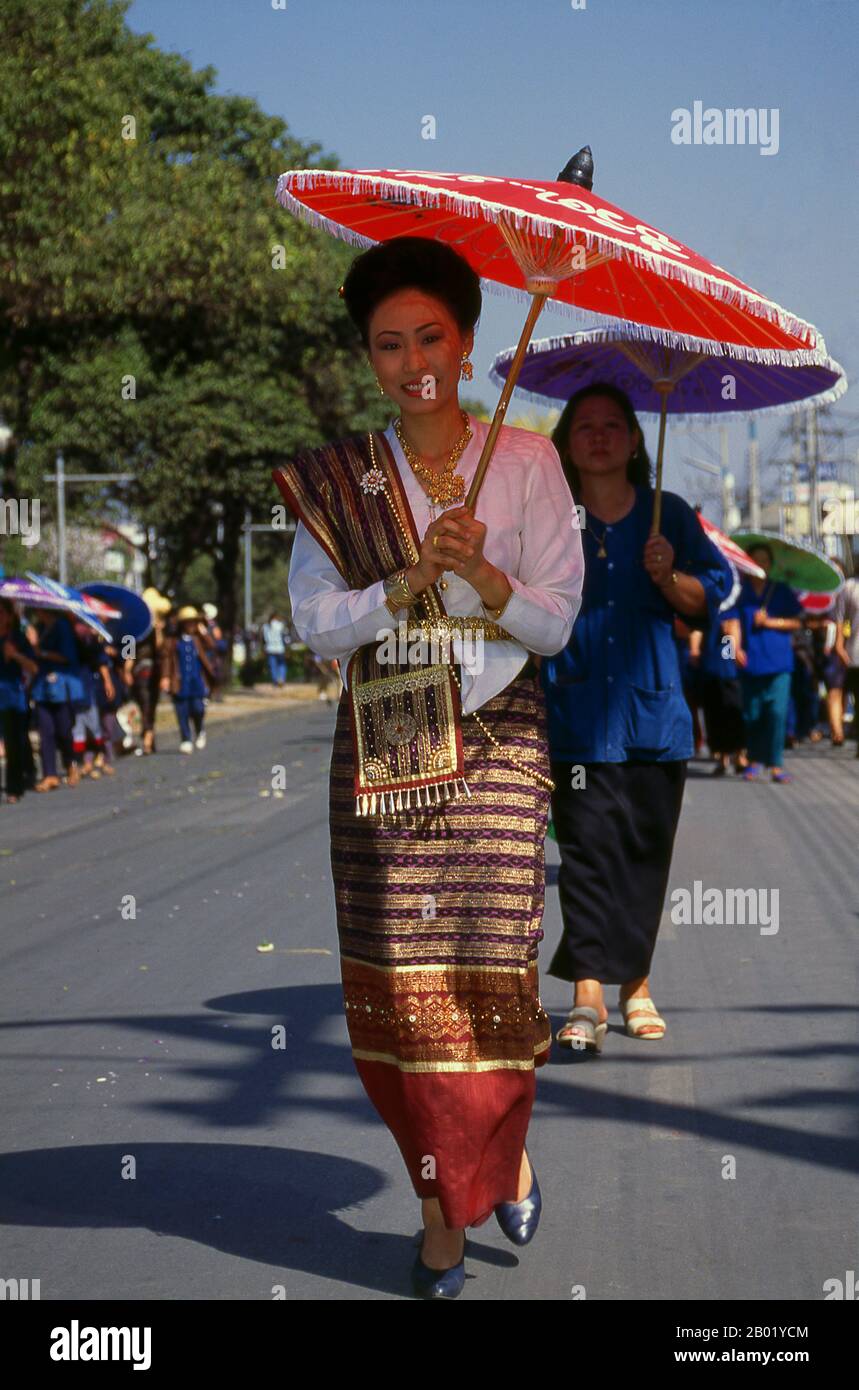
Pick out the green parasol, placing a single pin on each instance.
(794, 563)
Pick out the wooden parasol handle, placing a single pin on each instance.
(537, 302)
(664, 388)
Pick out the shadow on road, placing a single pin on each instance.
(278, 1205)
(274, 1205)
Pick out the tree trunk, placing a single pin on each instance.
(19, 425)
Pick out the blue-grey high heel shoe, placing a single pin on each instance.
(438, 1283)
(519, 1220)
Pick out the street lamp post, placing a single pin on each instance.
(247, 531)
(61, 478)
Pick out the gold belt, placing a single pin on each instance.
(453, 626)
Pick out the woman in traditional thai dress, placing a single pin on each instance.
(439, 784)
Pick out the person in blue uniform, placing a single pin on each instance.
(87, 734)
(57, 687)
(110, 691)
(189, 676)
(17, 665)
(713, 651)
(769, 614)
(620, 730)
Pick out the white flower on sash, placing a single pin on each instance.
(373, 481)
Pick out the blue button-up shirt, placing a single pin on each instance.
(13, 688)
(615, 692)
(190, 671)
(717, 658)
(58, 682)
(769, 652)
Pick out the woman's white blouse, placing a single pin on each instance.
(532, 534)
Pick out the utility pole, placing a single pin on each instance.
(62, 568)
(754, 480)
(795, 460)
(248, 530)
(724, 458)
(813, 499)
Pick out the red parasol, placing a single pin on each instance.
(101, 610)
(817, 603)
(731, 550)
(565, 243)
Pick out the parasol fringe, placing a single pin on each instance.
(463, 205)
(770, 357)
(721, 417)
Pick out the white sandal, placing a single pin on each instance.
(646, 1025)
(581, 1030)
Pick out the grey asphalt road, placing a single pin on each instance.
(156, 1144)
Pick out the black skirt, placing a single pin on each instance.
(722, 702)
(616, 836)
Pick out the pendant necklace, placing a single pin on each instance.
(601, 553)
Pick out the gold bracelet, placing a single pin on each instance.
(495, 613)
(398, 591)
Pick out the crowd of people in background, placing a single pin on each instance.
(76, 692)
(71, 703)
(770, 675)
(765, 677)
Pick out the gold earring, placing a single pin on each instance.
(380, 386)
(466, 370)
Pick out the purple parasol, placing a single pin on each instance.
(668, 380)
(26, 592)
(51, 594)
(555, 368)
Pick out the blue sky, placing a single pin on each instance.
(516, 88)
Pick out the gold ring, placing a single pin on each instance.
(435, 541)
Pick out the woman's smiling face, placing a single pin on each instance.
(416, 348)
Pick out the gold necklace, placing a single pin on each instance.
(446, 486)
(542, 781)
(601, 553)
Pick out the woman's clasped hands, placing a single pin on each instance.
(454, 541)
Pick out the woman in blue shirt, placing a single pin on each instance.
(17, 662)
(56, 688)
(769, 614)
(620, 730)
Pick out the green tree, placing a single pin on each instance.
(161, 314)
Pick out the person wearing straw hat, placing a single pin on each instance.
(143, 670)
(216, 648)
(439, 788)
(619, 726)
(188, 676)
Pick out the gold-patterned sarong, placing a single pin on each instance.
(439, 925)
